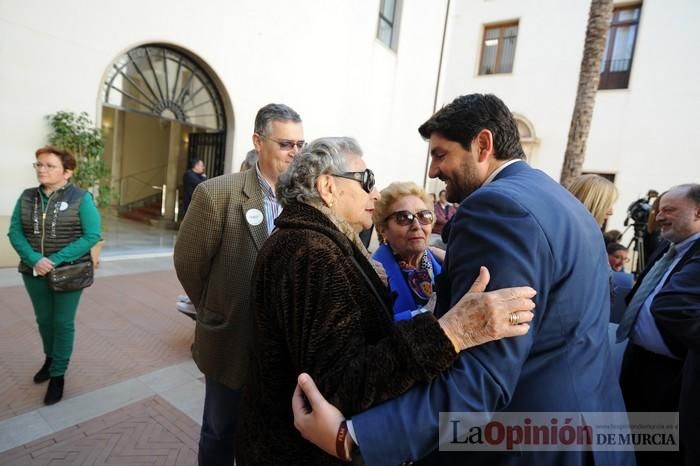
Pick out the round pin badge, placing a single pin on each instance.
(62, 206)
(254, 217)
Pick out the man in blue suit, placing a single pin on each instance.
(661, 368)
(528, 230)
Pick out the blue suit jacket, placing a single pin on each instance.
(622, 283)
(676, 309)
(404, 303)
(527, 230)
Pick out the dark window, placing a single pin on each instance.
(387, 30)
(498, 48)
(619, 48)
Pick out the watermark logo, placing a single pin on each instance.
(558, 431)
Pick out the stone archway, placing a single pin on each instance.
(156, 99)
(528, 138)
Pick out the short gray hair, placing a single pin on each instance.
(251, 158)
(322, 156)
(273, 112)
(692, 191)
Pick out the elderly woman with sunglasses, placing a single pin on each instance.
(320, 307)
(404, 220)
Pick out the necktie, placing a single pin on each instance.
(651, 280)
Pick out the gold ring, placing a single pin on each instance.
(514, 318)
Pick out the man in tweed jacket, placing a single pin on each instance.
(227, 222)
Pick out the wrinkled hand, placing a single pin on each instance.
(480, 317)
(43, 267)
(315, 418)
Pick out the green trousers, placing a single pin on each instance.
(55, 315)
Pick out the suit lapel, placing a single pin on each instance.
(686, 257)
(254, 203)
(655, 256)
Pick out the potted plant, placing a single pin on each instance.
(77, 133)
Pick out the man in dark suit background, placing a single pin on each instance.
(528, 230)
(190, 180)
(662, 361)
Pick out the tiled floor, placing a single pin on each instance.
(151, 431)
(180, 385)
(126, 326)
(131, 345)
(129, 238)
(133, 394)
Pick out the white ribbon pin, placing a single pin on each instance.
(62, 206)
(254, 217)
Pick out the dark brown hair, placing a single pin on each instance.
(462, 119)
(612, 248)
(67, 158)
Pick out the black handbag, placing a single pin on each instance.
(71, 276)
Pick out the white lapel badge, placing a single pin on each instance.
(254, 217)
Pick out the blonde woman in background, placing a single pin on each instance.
(597, 194)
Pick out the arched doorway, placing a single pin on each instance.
(161, 108)
(528, 139)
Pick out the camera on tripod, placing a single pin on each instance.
(638, 214)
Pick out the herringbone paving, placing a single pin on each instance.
(149, 432)
(126, 326)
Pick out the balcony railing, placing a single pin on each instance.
(615, 74)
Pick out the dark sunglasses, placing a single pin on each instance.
(404, 217)
(365, 178)
(286, 144)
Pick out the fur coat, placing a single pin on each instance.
(319, 307)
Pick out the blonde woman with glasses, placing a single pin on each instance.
(404, 219)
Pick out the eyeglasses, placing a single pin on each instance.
(49, 167)
(404, 217)
(365, 178)
(286, 144)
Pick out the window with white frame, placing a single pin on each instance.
(388, 27)
(498, 48)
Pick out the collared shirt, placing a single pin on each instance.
(499, 170)
(645, 333)
(272, 207)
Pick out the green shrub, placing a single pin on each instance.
(77, 133)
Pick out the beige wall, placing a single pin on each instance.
(8, 256)
(144, 156)
(108, 116)
(365, 90)
(137, 148)
(630, 129)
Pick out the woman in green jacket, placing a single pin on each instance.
(53, 224)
